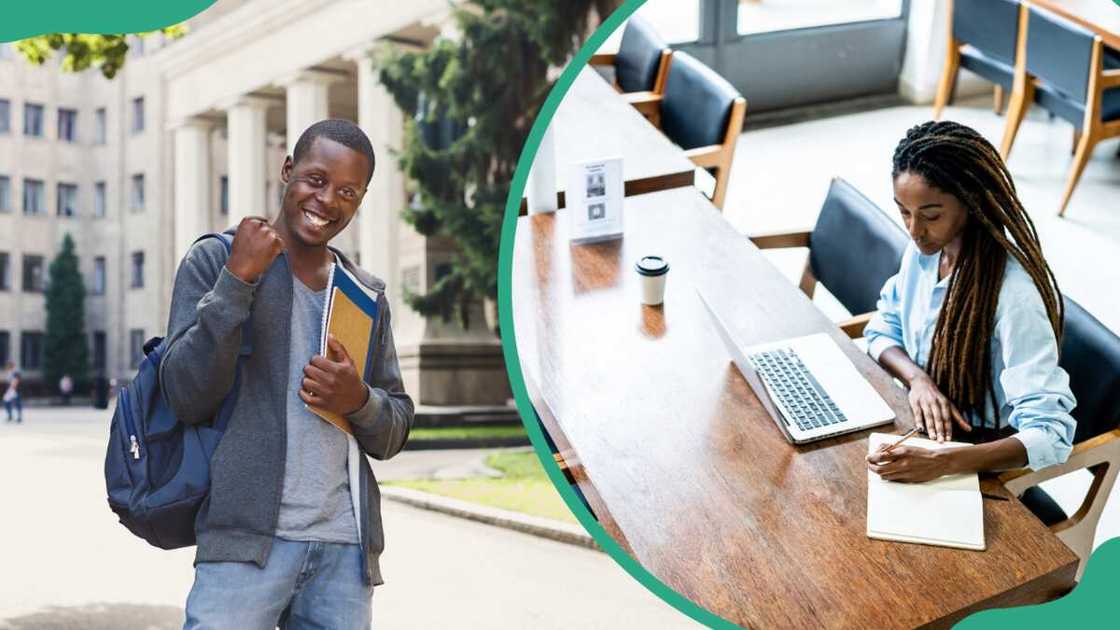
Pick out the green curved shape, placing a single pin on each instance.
(1086, 607)
(28, 19)
(1086, 603)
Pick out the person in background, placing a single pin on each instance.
(66, 387)
(11, 394)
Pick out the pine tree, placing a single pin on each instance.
(471, 102)
(65, 350)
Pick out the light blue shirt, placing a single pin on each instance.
(1032, 392)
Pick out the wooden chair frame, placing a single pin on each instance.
(853, 326)
(1100, 456)
(946, 86)
(1093, 130)
(653, 115)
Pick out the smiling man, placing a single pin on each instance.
(291, 533)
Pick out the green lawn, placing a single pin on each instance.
(524, 487)
(466, 433)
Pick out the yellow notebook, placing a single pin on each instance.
(350, 316)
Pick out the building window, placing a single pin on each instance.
(31, 350)
(33, 120)
(5, 116)
(5, 274)
(33, 279)
(5, 193)
(136, 345)
(100, 349)
(99, 131)
(138, 114)
(67, 200)
(223, 202)
(98, 284)
(99, 199)
(137, 270)
(67, 125)
(5, 347)
(34, 203)
(137, 198)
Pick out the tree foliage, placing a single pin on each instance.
(83, 51)
(65, 350)
(472, 99)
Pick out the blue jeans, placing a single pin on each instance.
(303, 585)
(16, 404)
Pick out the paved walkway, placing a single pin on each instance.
(68, 564)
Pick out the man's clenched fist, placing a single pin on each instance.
(255, 246)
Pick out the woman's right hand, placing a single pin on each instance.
(933, 412)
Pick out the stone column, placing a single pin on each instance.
(307, 101)
(246, 142)
(192, 182)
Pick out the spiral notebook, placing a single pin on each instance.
(350, 315)
(946, 512)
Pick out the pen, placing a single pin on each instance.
(900, 441)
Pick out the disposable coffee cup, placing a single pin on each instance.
(653, 271)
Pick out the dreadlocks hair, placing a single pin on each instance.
(958, 161)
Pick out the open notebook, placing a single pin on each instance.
(350, 315)
(948, 511)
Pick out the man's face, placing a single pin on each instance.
(323, 191)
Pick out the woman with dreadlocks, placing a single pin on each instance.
(972, 321)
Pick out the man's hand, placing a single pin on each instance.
(933, 413)
(255, 246)
(909, 464)
(333, 384)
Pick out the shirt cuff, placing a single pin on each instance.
(1040, 446)
(877, 344)
(368, 413)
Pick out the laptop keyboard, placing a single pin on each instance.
(808, 406)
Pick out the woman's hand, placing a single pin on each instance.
(909, 464)
(933, 413)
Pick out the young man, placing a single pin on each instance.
(291, 531)
(11, 394)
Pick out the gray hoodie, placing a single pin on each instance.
(208, 307)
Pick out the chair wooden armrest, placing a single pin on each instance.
(1110, 79)
(647, 103)
(1101, 456)
(602, 59)
(779, 240)
(710, 156)
(853, 327)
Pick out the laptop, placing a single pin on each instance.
(806, 384)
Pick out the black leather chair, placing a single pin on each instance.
(1091, 356)
(982, 38)
(1064, 72)
(703, 114)
(641, 61)
(853, 249)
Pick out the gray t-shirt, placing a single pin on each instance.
(315, 505)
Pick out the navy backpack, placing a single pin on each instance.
(157, 469)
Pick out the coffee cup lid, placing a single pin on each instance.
(652, 266)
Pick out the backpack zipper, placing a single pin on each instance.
(133, 444)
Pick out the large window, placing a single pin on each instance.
(5, 116)
(33, 120)
(67, 200)
(137, 197)
(99, 129)
(137, 270)
(34, 278)
(34, 199)
(99, 199)
(5, 193)
(100, 351)
(67, 125)
(138, 114)
(223, 198)
(5, 274)
(5, 347)
(136, 346)
(97, 287)
(31, 350)
(769, 16)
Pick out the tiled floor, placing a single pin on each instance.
(781, 174)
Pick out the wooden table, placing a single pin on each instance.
(1099, 16)
(594, 121)
(682, 467)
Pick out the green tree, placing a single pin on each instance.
(472, 100)
(82, 51)
(65, 350)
